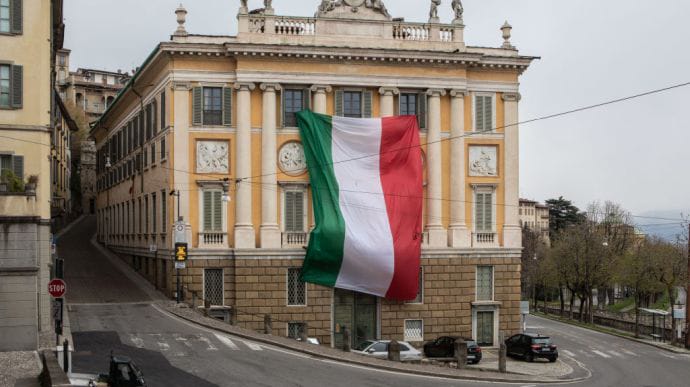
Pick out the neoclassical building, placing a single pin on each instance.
(206, 131)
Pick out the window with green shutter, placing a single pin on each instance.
(483, 211)
(5, 16)
(294, 100)
(294, 211)
(227, 106)
(5, 86)
(212, 210)
(17, 17)
(485, 283)
(483, 113)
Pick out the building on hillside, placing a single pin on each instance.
(63, 127)
(30, 35)
(535, 216)
(211, 119)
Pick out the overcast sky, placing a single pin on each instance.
(636, 153)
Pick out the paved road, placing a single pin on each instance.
(616, 361)
(108, 311)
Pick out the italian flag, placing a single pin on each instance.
(366, 178)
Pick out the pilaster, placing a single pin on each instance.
(320, 100)
(245, 237)
(388, 100)
(458, 232)
(181, 155)
(270, 232)
(438, 236)
(512, 233)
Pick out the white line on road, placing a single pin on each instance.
(568, 353)
(601, 354)
(627, 352)
(586, 353)
(252, 346)
(616, 354)
(209, 346)
(226, 340)
(136, 340)
(163, 346)
(664, 354)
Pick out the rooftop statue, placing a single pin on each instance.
(328, 6)
(457, 9)
(433, 12)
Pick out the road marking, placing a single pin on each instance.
(535, 327)
(586, 353)
(163, 346)
(252, 346)
(664, 354)
(182, 340)
(616, 354)
(568, 353)
(209, 346)
(226, 340)
(627, 352)
(601, 354)
(136, 340)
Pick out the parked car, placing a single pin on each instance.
(530, 346)
(379, 350)
(444, 346)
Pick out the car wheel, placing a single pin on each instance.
(552, 359)
(529, 357)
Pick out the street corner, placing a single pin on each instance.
(19, 368)
(560, 369)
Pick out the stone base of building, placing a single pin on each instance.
(254, 283)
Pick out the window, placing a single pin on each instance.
(483, 205)
(146, 157)
(420, 290)
(5, 16)
(296, 288)
(483, 113)
(485, 283)
(295, 330)
(164, 212)
(14, 164)
(414, 104)
(146, 214)
(213, 286)
(154, 215)
(153, 152)
(294, 211)
(5, 85)
(352, 104)
(213, 106)
(213, 210)
(293, 102)
(163, 111)
(163, 148)
(414, 330)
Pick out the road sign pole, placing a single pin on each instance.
(177, 293)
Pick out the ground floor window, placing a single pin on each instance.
(295, 329)
(213, 286)
(414, 330)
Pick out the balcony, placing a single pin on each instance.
(295, 239)
(485, 239)
(213, 240)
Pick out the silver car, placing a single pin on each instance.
(379, 350)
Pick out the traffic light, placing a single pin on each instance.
(180, 252)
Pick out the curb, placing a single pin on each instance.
(613, 333)
(527, 378)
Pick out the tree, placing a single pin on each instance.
(562, 213)
(671, 272)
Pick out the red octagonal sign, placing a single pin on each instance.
(57, 288)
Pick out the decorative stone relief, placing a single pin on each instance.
(212, 157)
(291, 158)
(483, 161)
(341, 8)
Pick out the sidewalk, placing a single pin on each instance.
(616, 332)
(20, 369)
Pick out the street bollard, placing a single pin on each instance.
(394, 351)
(303, 334)
(502, 356)
(233, 316)
(346, 339)
(65, 356)
(460, 351)
(268, 325)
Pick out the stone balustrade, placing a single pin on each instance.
(213, 240)
(295, 26)
(411, 31)
(295, 239)
(484, 239)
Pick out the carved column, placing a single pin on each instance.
(244, 230)
(458, 233)
(388, 100)
(270, 232)
(438, 237)
(512, 234)
(320, 100)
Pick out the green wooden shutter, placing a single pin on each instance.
(17, 83)
(479, 113)
(18, 166)
(289, 211)
(17, 17)
(227, 106)
(154, 117)
(163, 101)
(339, 103)
(217, 211)
(208, 210)
(197, 106)
(488, 113)
(367, 98)
(142, 128)
(299, 212)
(421, 110)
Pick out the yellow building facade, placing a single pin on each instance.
(30, 33)
(210, 120)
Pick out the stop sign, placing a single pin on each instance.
(57, 288)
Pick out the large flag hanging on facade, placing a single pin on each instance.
(366, 178)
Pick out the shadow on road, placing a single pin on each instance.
(93, 356)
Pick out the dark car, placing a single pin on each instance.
(530, 346)
(444, 346)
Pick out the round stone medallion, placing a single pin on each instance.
(291, 159)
